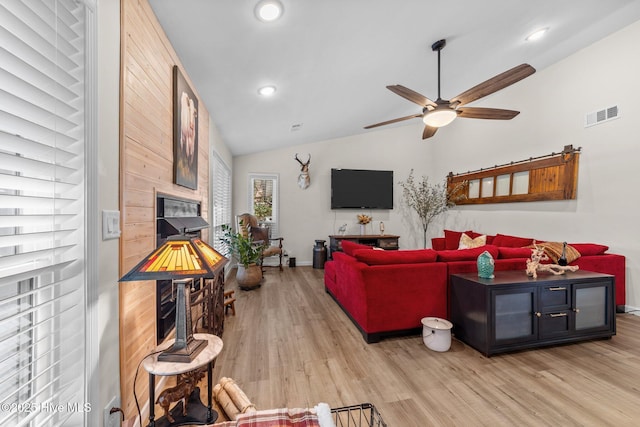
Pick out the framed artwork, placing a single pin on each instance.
(185, 132)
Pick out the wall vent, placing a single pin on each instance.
(601, 116)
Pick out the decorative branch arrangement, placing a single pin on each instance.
(429, 200)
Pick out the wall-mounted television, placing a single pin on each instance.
(361, 189)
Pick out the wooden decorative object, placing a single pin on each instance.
(232, 399)
(549, 177)
(537, 256)
(230, 301)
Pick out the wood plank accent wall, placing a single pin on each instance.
(146, 168)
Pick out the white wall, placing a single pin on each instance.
(305, 215)
(217, 145)
(553, 103)
(108, 173)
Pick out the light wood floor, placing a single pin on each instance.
(291, 345)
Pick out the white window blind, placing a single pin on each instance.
(221, 195)
(42, 213)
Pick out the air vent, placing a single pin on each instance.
(601, 116)
(296, 127)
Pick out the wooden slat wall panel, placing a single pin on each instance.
(544, 180)
(146, 168)
(553, 177)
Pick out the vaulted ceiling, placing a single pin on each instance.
(330, 60)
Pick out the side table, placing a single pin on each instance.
(197, 413)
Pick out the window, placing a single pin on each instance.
(263, 200)
(43, 132)
(221, 197)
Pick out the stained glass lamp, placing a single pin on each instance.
(179, 258)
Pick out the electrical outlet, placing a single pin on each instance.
(115, 419)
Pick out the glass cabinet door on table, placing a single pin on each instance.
(514, 315)
(591, 305)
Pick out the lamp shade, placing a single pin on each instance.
(178, 258)
(440, 116)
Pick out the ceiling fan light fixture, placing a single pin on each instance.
(269, 10)
(439, 117)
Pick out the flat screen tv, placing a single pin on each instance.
(361, 189)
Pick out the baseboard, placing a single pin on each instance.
(631, 310)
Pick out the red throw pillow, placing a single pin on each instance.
(507, 253)
(466, 254)
(587, 249)
(349, 247)
(416, 256)
(511, 241)
(452, 238)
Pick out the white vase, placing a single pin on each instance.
(362, 229)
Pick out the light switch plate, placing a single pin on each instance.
(110, 225)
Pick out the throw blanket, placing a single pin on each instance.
(282, 417)
(318, 416)
(554, 251)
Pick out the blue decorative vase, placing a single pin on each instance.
(485, 265)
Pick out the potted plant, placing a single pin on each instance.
(429, 200)
(248, 254)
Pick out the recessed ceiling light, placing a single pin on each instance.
(269, 10)
(537, 35)
(267, 90)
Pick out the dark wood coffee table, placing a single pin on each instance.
(516, 312)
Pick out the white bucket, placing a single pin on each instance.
(436, 333)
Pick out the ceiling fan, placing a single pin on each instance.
(442, 112)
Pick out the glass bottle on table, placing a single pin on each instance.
(563, 258)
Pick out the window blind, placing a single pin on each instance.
(42, 213)
(221, 195)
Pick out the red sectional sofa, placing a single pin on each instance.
(387, 293)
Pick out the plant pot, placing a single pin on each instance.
(249, 277)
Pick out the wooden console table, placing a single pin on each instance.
(388, 242)
(197, 413)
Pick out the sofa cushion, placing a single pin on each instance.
(587, 249)
(468, 242)
(466, 254)
(396, 257)
(510, 253)
(349, 247)
(511, 241)
(452, 238)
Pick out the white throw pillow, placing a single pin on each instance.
(467, 242)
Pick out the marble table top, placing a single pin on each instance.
(210, 352)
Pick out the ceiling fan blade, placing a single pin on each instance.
(411, 95)
(486, 113)
(494, 84)
(428, 132)
(388, 122)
